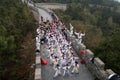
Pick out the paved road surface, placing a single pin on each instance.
(47, 70)
(44, 14)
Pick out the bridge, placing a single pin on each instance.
(91, 70)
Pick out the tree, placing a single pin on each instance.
(16, 21)
(101, 22)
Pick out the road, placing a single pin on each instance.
(44, 14)
(48, 71)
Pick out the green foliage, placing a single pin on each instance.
(100, 20)
(15, 22)
(109, 51)
(85, 2)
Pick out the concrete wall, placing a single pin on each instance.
(37, 76)
(38, 67)
(96, 68)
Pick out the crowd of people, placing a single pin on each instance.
(59, 49)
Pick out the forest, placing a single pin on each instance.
(100, 20)
(16, 21)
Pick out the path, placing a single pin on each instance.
(47, 70)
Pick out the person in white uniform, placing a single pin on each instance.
(57, 70)
(75, 68)
(38, 30)
(56, 61)
(71, 30)
(79, 35)
(72, 60)
(63, 60)
(37, 43)
(37, 39)
(66, 70)
(51, 59)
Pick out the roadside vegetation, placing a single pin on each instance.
(102, 28)
(17, 25)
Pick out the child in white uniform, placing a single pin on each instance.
(66, 70)
(63, 60)
(56, 61)
(72, 60)
(57, 70)
(71, 30)
(51, 59)
(75, 67)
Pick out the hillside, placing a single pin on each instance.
(17, 25)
